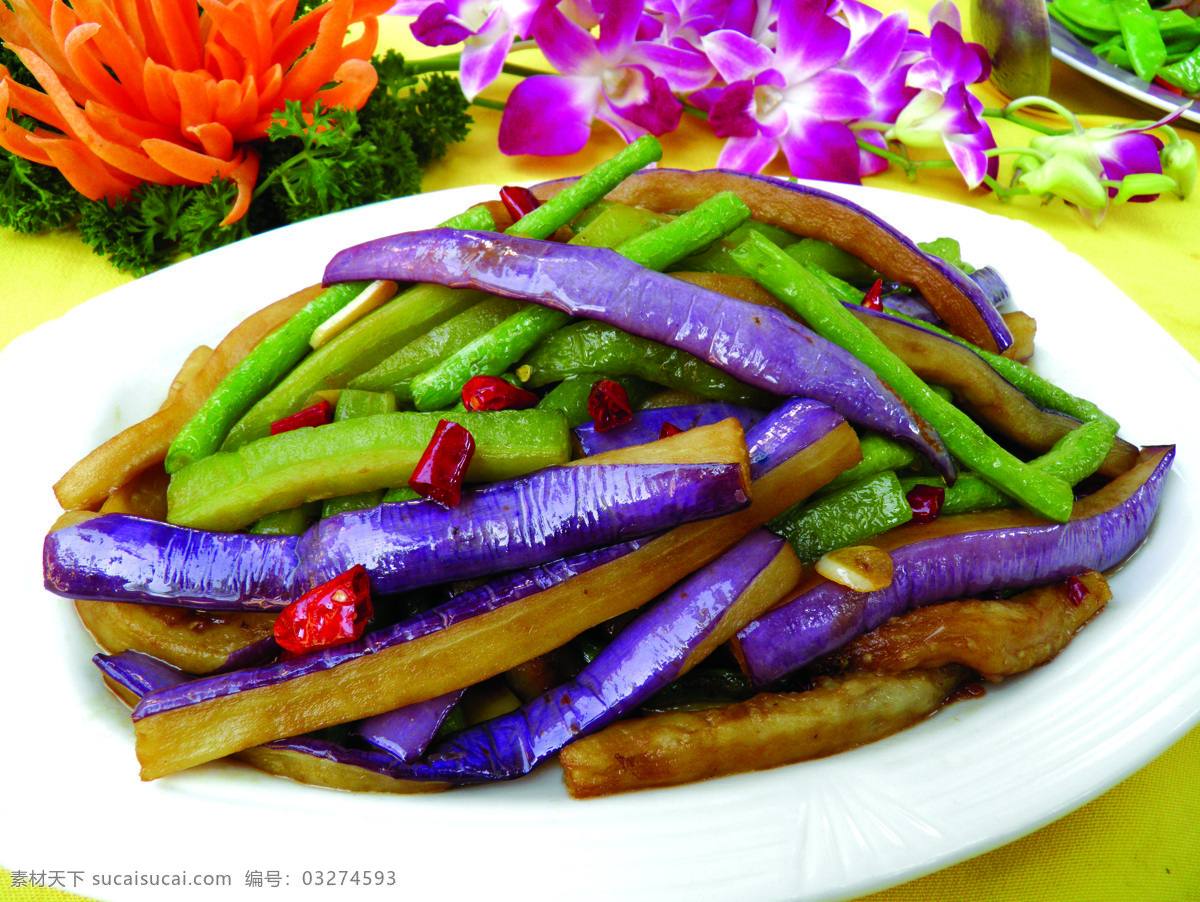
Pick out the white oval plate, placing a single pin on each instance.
(974, 777)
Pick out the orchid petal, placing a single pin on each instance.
(408, 7)
(481, 64)
(874, 57)
(645, 100)
(435, 27)
(684, 70)
(619, 21)
(967, 152)
(831, 94)
(568, 47)
(735, 56)
(817, 149)
(747, 154)
(548, 115)
(871, 163)
(732, 114)
(809, 40)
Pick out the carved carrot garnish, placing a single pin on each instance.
(172, 92)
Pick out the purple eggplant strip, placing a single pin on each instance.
(116, 557)
(646, 425)
(805, 210)
(142, 674)
(524, 521)
(481, 600)
(647, 655)
(407, 732)
(761, 346)
(783, 433)
(1012, 555)
(417, 543)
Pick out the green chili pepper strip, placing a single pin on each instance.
(796, 286)
(396, 373)
(255, 376)
(591, 346)
(845, 517)
(571, 395)
(879, 453)
(655, 248)
(231, 489)
(1142, 37)
(352, 405)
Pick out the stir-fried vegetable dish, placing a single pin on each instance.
(664, 475)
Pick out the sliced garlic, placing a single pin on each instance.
(863, 568)
(374, 295)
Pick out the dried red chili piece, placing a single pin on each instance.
(1077, 590)
(494, 393)
(668, 429)
(518, 201)
(317, 415)
(926, 502)
(608, 405)
(873, 299)
(333, 613)
(440, 471)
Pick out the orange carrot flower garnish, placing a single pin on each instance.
(172, 92)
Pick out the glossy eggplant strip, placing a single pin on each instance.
(403, 545)
(995, 639)
(766, 731)
(959, 557)
(759, 346)
(192, 641)
(647, 425)
(306, 759)
(666, 640)
(800, 449)
(811, 212)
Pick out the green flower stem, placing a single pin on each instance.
(447, 63)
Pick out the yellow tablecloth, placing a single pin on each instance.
(1140, 841)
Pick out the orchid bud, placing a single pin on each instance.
(1143, 184)
(1179, 162)
(1066, 176)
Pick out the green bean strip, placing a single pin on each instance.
(586, 190)
(291, 522)
(360, 346)
(655, 248)
(1077, 456)
(1037, 388)
(796, 286)
(845, 517)
(255, 376)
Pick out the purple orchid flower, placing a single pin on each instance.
(792, 98)
(880, 54)
(628, 83)
(943, 112)
(485, 28)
